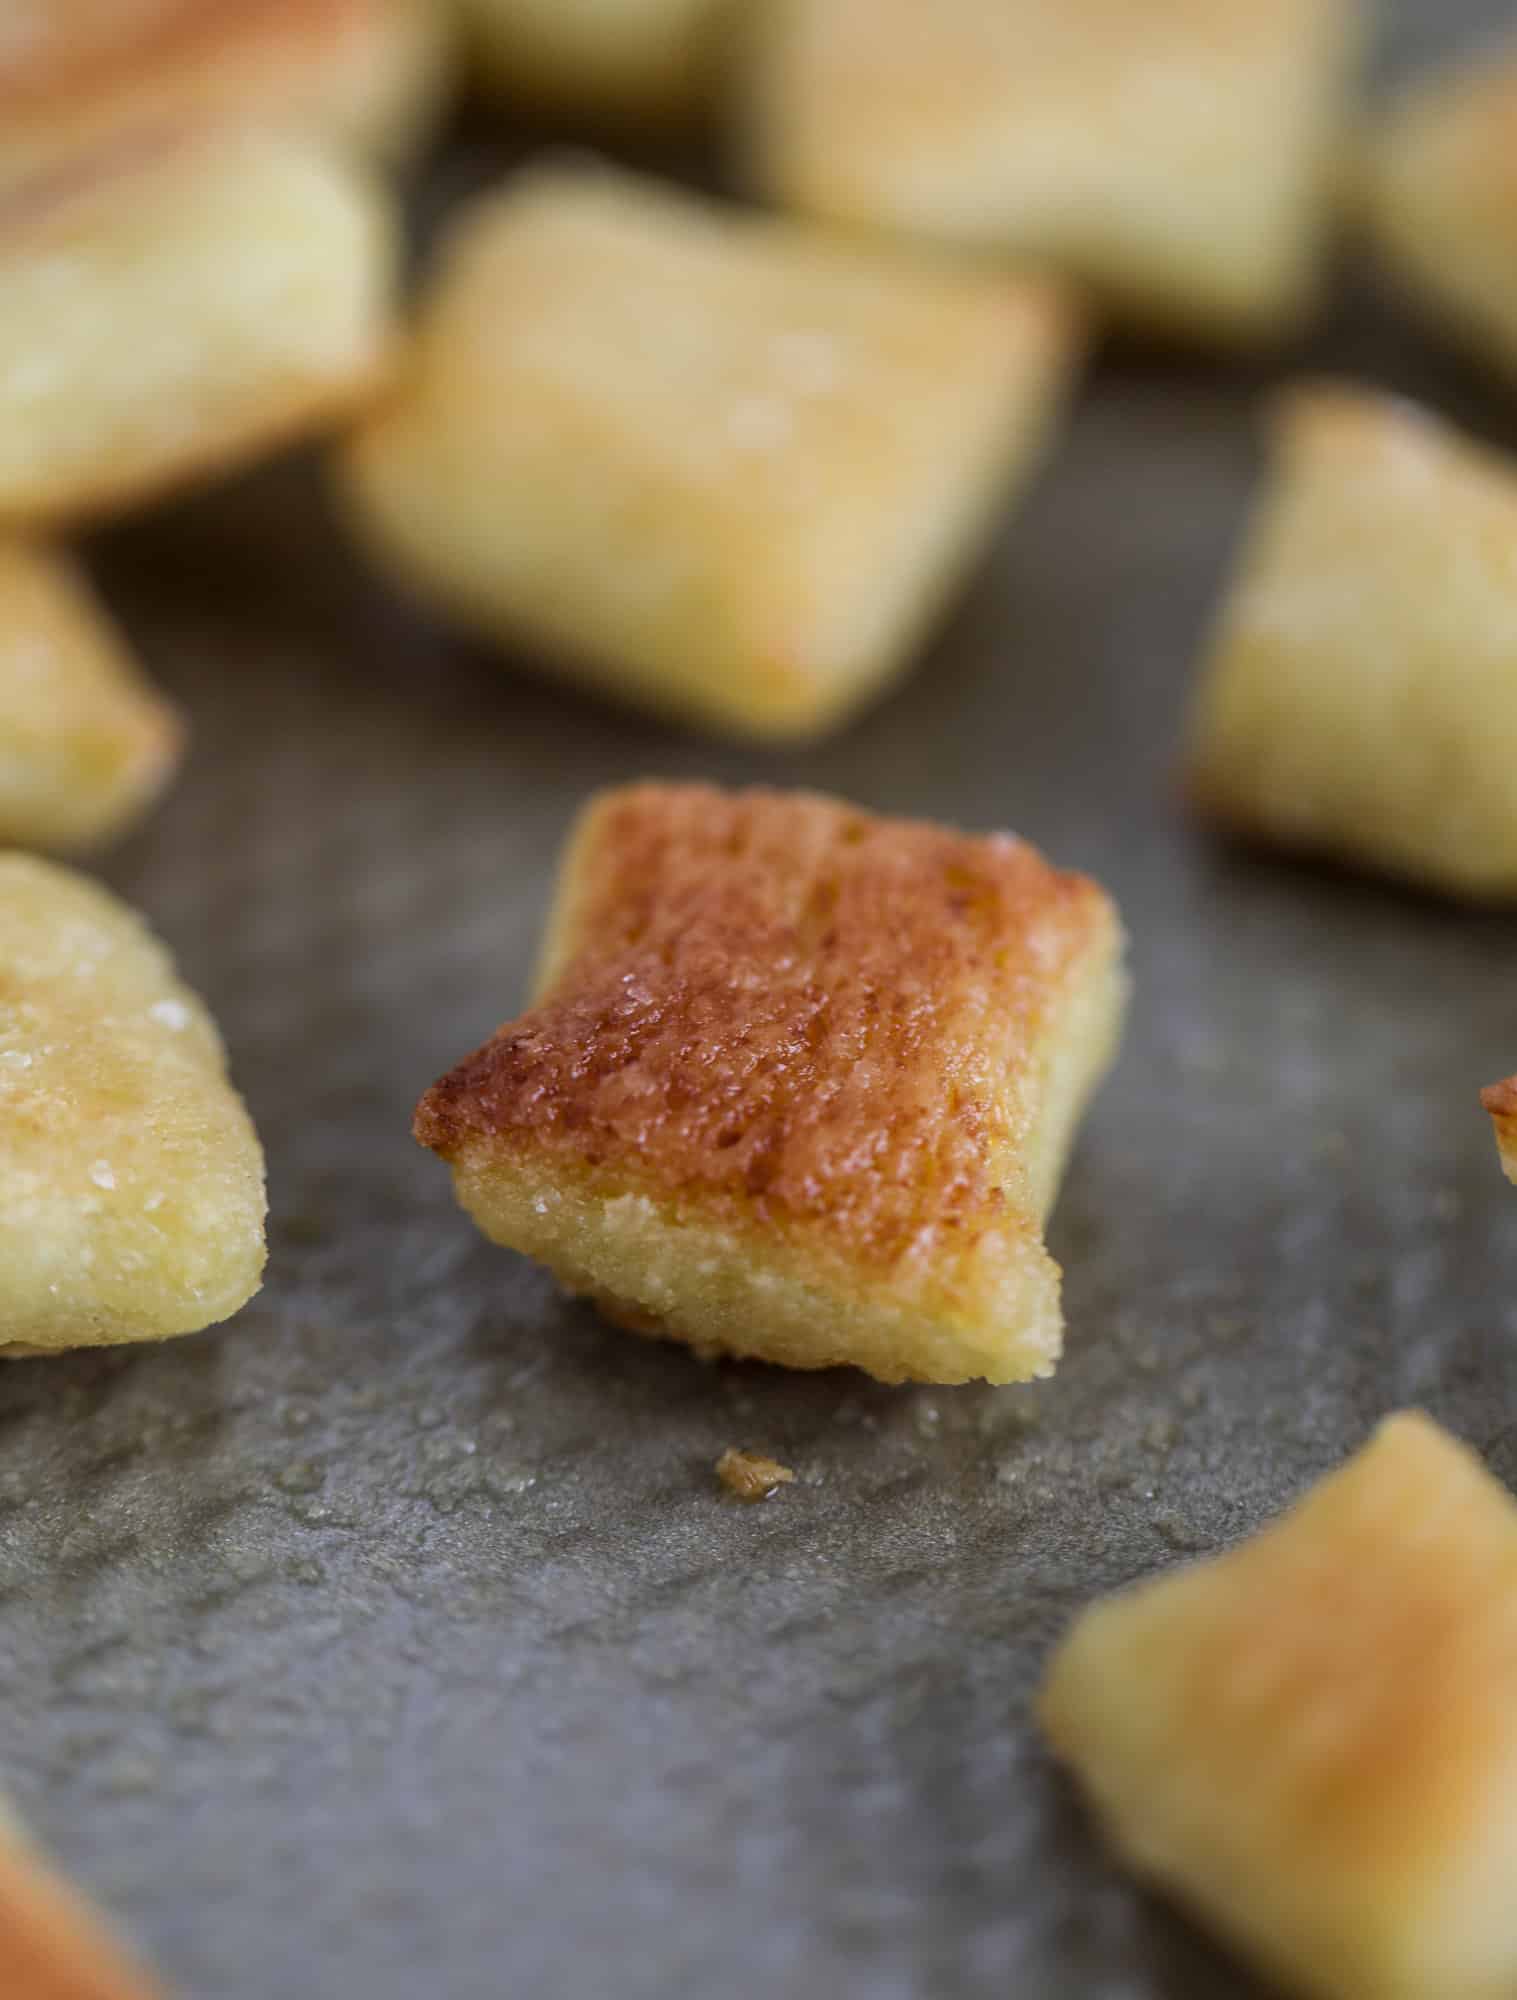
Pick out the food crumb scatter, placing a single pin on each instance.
(751, 1477)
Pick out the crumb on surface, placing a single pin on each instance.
(750, 1476)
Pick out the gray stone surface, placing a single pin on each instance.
(397, 1640)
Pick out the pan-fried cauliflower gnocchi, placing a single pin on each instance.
(131, 1179)
(85, 743)
(177, 304)
(798, 1083)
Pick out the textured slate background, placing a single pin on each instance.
(396, 1640)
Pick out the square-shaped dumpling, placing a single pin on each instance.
(367, 73)
(1500, 1100)
(1312, 1740)
(797, 1084)
(85, 743)
(715, 462)
(622, 61)
(1173, 155)
(131, 1180)
(175, 305)
(53, 1944)
(1358, 698)
(1438, 188)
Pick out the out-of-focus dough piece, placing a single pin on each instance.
(53, 1944)
(798, 1083)
(85, 743)
(131, 1179)
(714, 462)
(1438, 187)
(176, 305)
(1359, 697)
(1175, 156)
(369, 74)
(646, 62)
(1500, 1100)
(1312, 1740)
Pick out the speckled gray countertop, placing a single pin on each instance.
(396, 1640)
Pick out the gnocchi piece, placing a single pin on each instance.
(85, 743)
(716, 463)
(1174, 156)
(797, 1084)
(1311, 1740)
(1358, 698)
(369, 74)
(131, 1179)
(1438, 191)
(177, 305)
(1500, 1100)
(53, 1944)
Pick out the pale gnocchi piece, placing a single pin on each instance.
(1311, 1740)
(1361, 689)
(1500, 1100)
(370, 74)
(713, 462)
(53, 1944)
(643, 62)
(1438, 190)
(85, 743)
(176, 306)
(798, 1083)
(131, 1179)
(1175, 156)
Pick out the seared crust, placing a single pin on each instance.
(705, 459)
(221, 294)
(1500, 1100)
(53, 1945)
(361, 72)
(131, 1180)
(760, 992)
(1356, 698)
(1311, 1739)
(1174, 156)
(827, 1034)
(81, 49)
(85, 742)
(1438, 189)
